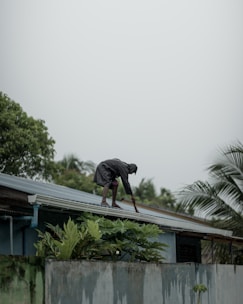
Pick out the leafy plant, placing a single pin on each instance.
(60, 243)
(199, 288)
(128, 240)
(67, 243)
(94, 237)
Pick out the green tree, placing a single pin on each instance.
(145, 190)
(26, 149)
(221, 198)
(75, 180)
(146, 193)
(72, 162)
(166, 199)
(74, 173)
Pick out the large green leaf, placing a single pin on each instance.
(94, 230)
(70, 239)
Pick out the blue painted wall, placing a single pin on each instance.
(24, 237)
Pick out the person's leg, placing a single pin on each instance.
(104, 195)
(114, 193)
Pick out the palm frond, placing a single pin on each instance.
(231, 163)
(222, 198)
(205, 200)
(230, 193)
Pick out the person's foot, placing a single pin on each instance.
(114, 205)
(105, 204)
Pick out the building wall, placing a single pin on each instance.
(24, 237)
(169, 254)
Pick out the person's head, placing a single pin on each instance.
(132, 168)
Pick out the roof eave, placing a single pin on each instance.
(106, 211)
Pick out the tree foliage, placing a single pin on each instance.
(146, 193)
(166, 199)
(74, 173)
(26, 149)
(94, 237)
(71, 162)
(145, 190)
(221, 198)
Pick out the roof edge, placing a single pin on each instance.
(108, 211)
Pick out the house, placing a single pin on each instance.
(26, 205)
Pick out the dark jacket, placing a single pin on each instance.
(108, 170)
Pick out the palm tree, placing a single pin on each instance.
(72, 162)
(221, 198)
(74, 173)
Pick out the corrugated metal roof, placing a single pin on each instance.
(66, 198)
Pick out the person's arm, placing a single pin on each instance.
(125, 182)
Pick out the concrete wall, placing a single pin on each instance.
(93, 282)
(84, 282)
(21, 280)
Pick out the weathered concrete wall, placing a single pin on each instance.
(84, 282)
(21, 280)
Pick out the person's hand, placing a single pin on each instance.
(134, 203)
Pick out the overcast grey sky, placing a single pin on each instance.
(158, 83)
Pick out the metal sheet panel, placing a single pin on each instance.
(63, 197)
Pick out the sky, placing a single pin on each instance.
(157, 83)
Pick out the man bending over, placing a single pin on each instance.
(106, 174)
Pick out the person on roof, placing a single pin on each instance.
(107, 172)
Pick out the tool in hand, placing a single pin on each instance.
(134, 203)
